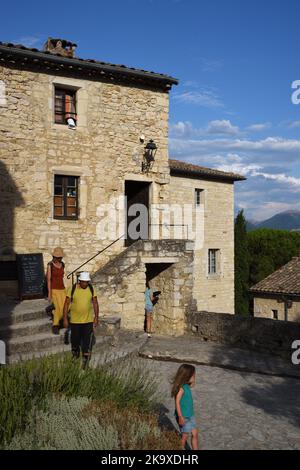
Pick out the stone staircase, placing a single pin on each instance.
(26, 330)
(121, 282)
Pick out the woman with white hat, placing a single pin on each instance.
(56, 287)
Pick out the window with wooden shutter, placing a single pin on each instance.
(64, 105)
(66, 197)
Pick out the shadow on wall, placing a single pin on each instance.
(10, 197)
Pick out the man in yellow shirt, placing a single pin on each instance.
(82, 303)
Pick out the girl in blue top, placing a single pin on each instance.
(184, 408)
(148, 308)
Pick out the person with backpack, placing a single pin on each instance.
(56, 288)
(82, 303)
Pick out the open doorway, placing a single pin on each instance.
(137, 195)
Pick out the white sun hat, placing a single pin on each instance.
(84, 276)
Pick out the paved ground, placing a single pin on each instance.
(237, 410)
(191, 349)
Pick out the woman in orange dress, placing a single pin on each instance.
(56, 287)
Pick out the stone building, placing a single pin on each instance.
(278, 295)
(83, 155)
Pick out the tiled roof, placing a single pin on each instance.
(45, 59)
(181, 168)
(285, 280)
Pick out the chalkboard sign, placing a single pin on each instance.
(31, 276)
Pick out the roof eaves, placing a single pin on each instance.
(23, 52)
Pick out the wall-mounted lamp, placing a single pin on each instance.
(149, 155)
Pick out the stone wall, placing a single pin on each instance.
(214, 230)
(103, 151)
(264, 306)
(121, 284)
(257, 334)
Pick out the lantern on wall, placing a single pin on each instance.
(149, 156)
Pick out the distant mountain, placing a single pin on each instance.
(250, 225)
(288, 220)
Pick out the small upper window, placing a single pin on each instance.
(66, 197)
(199, 197)
(275, 314)
(213, 262)
(65, 107)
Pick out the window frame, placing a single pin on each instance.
(275, 314)
(199, 197)
(65, 197)
(71, 91)
(217, 253)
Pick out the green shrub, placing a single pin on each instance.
(83, 424)
(27, 385)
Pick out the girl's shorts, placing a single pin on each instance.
(189, 425)
(149, 311)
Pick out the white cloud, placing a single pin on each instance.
(222, 127)
(210, 65)
(205, 98)
(182, 129)
(259, 127)
(283, 148)
(28, 41)
(294, 124)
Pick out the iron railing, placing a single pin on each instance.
(93, 257)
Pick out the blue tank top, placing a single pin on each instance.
(148, 295)
(186, 402)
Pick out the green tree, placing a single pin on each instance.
(241, 265)
(270, 249)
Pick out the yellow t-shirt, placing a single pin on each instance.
(82, 310)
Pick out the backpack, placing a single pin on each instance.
(74, 288)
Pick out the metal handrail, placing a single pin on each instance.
(90, 259)
(172, 225)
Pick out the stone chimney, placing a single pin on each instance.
(60, 46)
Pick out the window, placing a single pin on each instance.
(66, 197)
(65, 107)
(275, 314)
(199, 197)
(213, 261)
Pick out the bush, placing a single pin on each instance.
(83, 424)
(27, 385)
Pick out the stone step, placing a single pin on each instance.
(108, 326)
(33, 343)
(38, 336)
(102, 342)
(26, 328)
(27, 310)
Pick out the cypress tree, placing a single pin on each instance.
(241, 265)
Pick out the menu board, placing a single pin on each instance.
(31, 275)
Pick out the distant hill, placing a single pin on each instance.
(288, 220)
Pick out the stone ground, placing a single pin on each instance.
(235, 409)
(238, 410)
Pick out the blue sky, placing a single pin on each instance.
(236, 61)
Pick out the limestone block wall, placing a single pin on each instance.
(214, 230)
(257, 334)
(263, 307)
(103, 151)
(121, 285)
